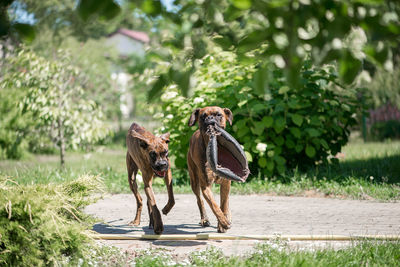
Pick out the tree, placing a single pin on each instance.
(285, 32)
(56, 100)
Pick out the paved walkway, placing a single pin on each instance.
(251, 214)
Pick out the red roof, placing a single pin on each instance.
(140, 36)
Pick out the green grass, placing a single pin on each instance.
(367, 171)
(276, 254)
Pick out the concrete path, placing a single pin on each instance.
(251, 214)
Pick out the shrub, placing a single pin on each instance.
(40, 224)
(385, 130)
(280, 127)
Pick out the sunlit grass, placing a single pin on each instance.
(366, 171)
(363, 253)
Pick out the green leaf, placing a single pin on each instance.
(26, 31)
(310, 151)
(281, 169)
(267, 121)
(151, 7)
(242, 131)
(262, 162)
(223, 41)
(296, 132)
(313, 132)
(270, 165)
(279, 140)
(87, 8)
(260, 81)
(290, 143)
(111, 10)
(297, 119)
(258, 107)
(258, 129)
(249, 157)
(283, 90)
(181, 78)
(349, 67)
(252, 41)
(106, 8)
(156, 90)
(324, 143)
(279, 160)
(279, 124)
(242, 4)
(298, 148)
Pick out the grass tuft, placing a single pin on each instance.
(40, 224)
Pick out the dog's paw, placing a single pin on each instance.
(167, 208)
(205, 223)
(221, 229)
(224, 223)
(134, 223)
(158, 229)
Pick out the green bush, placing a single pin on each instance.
(385, 130)
(279, 127)
(41, 224)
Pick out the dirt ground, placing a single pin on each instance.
(251, 214)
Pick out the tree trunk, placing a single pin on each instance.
(62, 143)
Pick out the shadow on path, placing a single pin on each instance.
(105, 228)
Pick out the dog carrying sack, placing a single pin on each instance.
(225, 156)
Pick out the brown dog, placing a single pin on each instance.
(148, 153)
(201, 177)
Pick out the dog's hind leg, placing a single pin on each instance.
(171, 200)
(195, 184)
(132, 171)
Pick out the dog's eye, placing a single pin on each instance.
(153, 155)
(219, 115)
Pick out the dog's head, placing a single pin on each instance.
(155, 150)
(211, 116)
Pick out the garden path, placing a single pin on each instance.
(251, 214)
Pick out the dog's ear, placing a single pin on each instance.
(142, 140)
(194, 117)
(165, 137)
(228, 114)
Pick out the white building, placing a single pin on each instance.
(126, 43)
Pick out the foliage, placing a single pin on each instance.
(283, 128)
(13, 125)
(56, 99)
(384, 88)
(284, 32)
(42, 223)
(277, 31)
(385, 130)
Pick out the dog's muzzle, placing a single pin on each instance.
(225, 156)
(160, 169)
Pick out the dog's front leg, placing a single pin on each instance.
(223, 223)
(154, 213)
(171, 199)
(224, 195)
